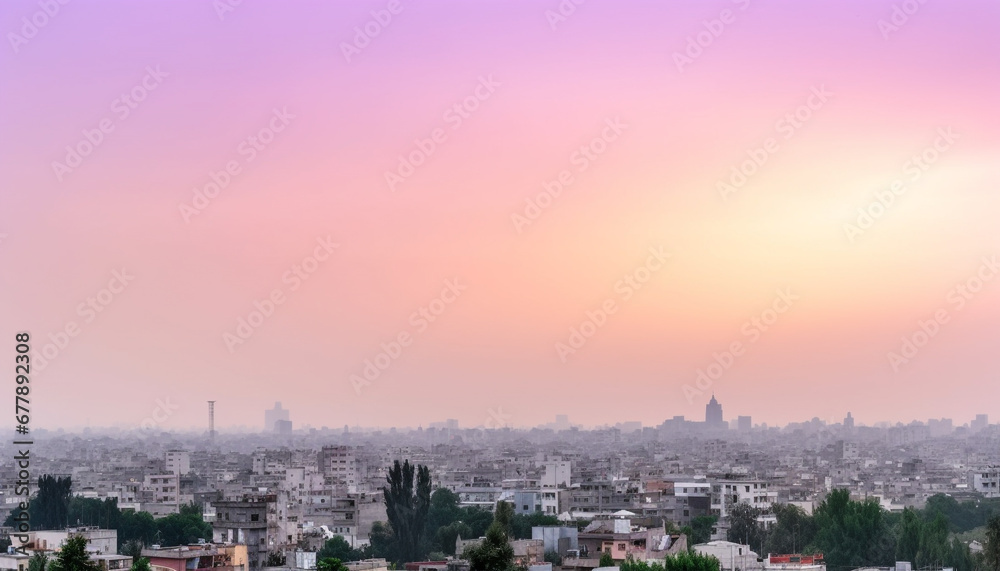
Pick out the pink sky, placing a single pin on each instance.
(542, 94)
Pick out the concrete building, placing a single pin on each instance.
(178, 462)
(731, 555)
(208, 557)
(557, 538)
(99, 541)
(986, 481)
(245, 521)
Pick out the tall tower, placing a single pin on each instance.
(211, 420)
(713, 413)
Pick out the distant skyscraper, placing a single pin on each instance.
(274, 415)
(980, 423)
(849, 421)
(744, 423)
(713, 414)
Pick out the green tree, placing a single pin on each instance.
(744, 527)
(701, 529)
(49, 509)
(382, 541)
(39, 561)
(991, 548)
(132, 548)
(853, 534)
(73, 556)
(276, 559)
(141, 564)
(337, 547)
(606, 560)
(792, 531)
(553, 557)
(406, 505)
(494, 553)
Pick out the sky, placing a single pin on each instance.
(391, 213)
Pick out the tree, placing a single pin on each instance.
(553, 557)
(276, 559)
(141, 564)
(700, 530)
(406, 507)
(337, 547)
(606, 560)
(684, 561)
(792, 531)
(39, 561)
(73, 557)
(853, 534)
(495, 552)
(132, 548)
(382, 541)
(991, 549)
(50, 507)
(744, 527)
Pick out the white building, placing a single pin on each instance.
(731, 555)
(178, 462)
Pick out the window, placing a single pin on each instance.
(254, 517)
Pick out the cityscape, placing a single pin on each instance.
(500, 285)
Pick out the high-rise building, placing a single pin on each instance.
(849, 421)
(713, 414)
(744, 423)
(274, 415)
(980, 423)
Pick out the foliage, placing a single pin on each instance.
(141, 564)
(73, 556)
(132, 548)
(700, 530)
(406, 505)
(494, 553)
(792, 531)
(382, 541)
(607, 561)
(853, 534)
(553, 557)
(39, 561)
(338, 548)
(684, 561)
(744, 527)
(991, 549)
(49, 509)
(962, 516)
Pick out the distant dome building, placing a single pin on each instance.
(713, 414)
